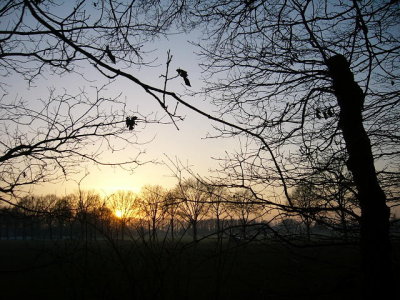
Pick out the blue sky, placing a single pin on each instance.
(188, 144)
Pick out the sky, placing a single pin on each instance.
(188, 144)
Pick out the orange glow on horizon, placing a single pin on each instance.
(119, 213)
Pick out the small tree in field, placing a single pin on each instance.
(171, 209)
(193, 196)
(218, 208)
(125, 206)
(152, 207)
(244, 207)
(305, 198)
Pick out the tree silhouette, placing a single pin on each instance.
(305, 198)
(38, 38)
(243, 206)
(152, 207)
(218, 197)
(48, 140)
(281, 70)
(171, 208)
(271, 66)
(193, 196)
(333, 187)
(127, 205)
(52, 142)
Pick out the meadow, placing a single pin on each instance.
(179, 270)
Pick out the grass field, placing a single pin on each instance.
(131, 270)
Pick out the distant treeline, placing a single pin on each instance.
(155, 213)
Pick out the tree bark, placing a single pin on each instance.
(172, 228)
(153, 229)
(374, 232)
(194, 227)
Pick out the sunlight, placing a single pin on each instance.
(119, 213)
(108, 190)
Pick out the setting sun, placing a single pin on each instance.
(119, 213)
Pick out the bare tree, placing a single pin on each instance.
(171, 208)
(218, 207)
(332, 184)
(300, 77)
(125, 205)
(86, 205)
(306, 199)
(49, 140)
(193, 195)
(244, 207)
(292, 78)
(37, 212)
(152, 207)
(54, 141)
(45, 37)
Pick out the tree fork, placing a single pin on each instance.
(374, 236)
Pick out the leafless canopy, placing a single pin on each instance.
(266, 67)
(49, 138)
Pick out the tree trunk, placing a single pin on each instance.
(50, 229)
(308, 229)
(194, 227)
(154, 229)
(172, 228)
(374, 235)
(219, 233)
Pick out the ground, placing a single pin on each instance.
(137, 270)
